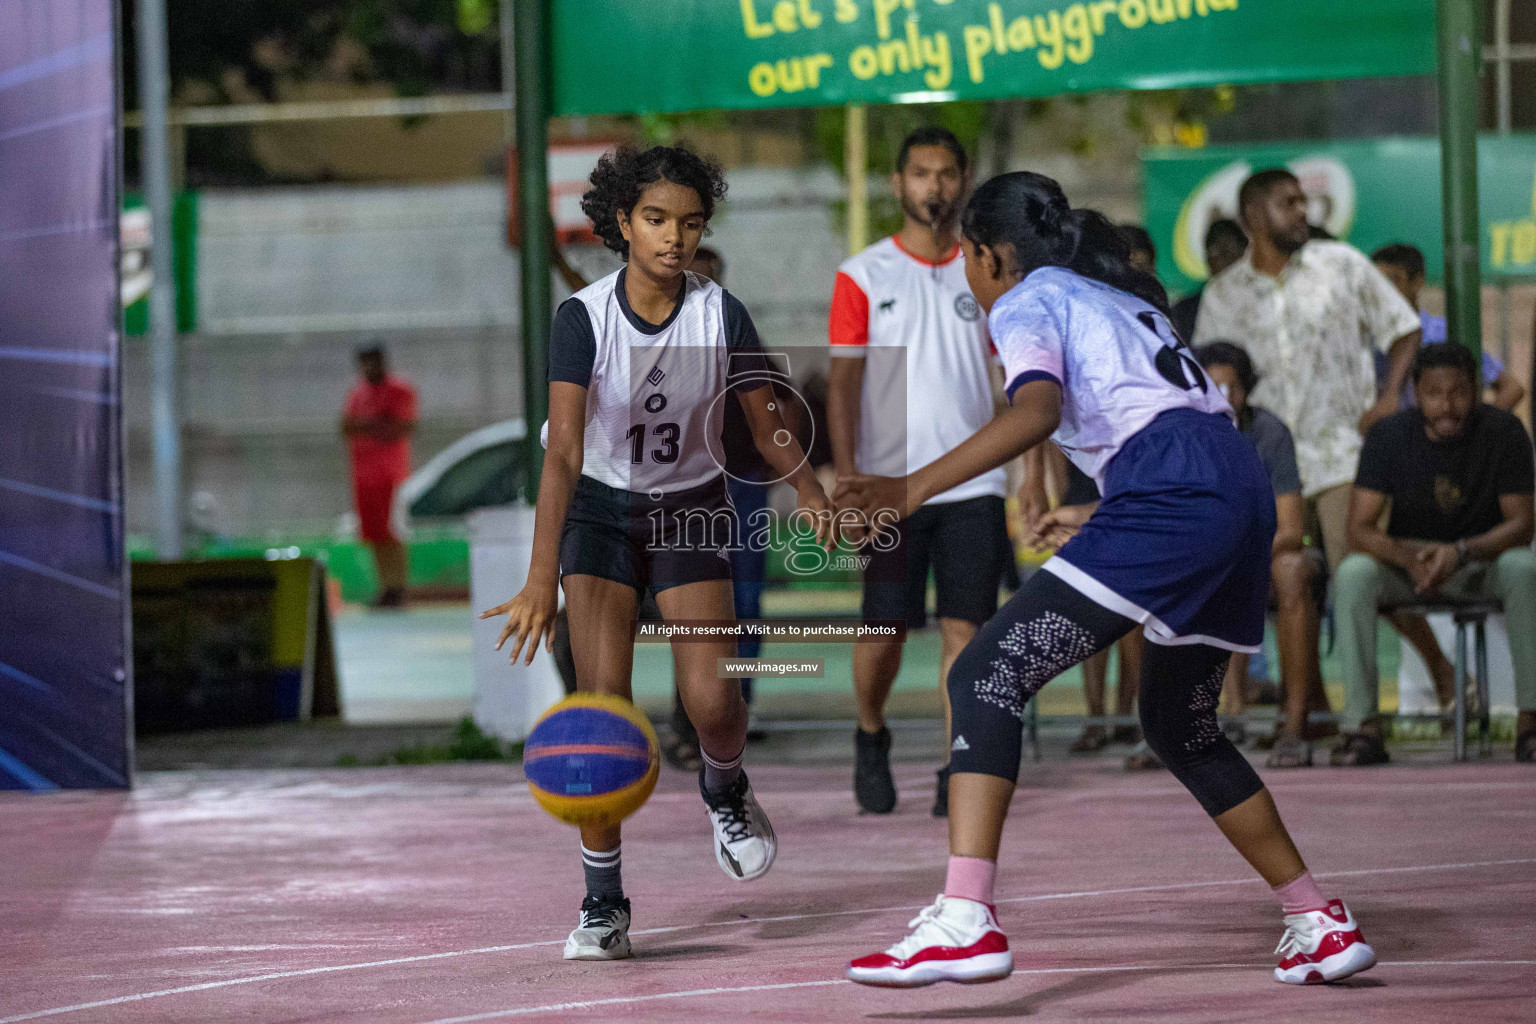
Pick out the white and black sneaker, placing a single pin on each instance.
(604, 930)
(744, 842)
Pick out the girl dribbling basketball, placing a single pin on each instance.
(632, 498)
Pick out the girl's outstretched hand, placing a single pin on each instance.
(814, 500)
(530, 618)
(870, 494)
(1058, 526)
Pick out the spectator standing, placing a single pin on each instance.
(1225, 244)
(1310, 313)
(907, 337)
(1459, 478)
(378, 420)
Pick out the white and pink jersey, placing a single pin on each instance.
(1117, 359)
(926, 351)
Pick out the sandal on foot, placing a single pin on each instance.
(1092, 740)
(1359, 750)
(1290, 753)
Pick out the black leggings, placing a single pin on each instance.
(1045, 629)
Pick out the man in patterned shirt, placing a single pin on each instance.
(1311, 314)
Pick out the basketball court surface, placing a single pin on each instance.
(443, 894)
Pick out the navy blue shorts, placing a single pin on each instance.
(1181, 541)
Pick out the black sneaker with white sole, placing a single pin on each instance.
(603, 933)
(745, 845)
(873, 786)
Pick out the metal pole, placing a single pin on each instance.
(856, 165)
(1460, 53)
(509, 66)
(1002, 136)
(154, 164)
(1501, 66)
(1506, 314)
(533, 212)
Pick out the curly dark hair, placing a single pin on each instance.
(622, 175)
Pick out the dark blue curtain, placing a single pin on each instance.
(64, 686)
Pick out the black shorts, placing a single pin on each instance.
(643, 542)
(1081, 490)
(965, 543)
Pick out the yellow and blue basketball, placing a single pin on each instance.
(592, 759)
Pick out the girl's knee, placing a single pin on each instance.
(716, 708)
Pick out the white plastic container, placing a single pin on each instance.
(508, 698)
(1416, 691)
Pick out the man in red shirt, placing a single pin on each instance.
(377, 422)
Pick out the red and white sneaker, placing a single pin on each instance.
(1322, 945)
(953, 940)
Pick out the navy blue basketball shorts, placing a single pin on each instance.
(1181, 541)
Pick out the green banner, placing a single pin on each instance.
(671, 55)
(137, 235)
(1367, 193)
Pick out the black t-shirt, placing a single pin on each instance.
(1447, 490)
(1184, 314)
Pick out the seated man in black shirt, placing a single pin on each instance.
(1460, 479)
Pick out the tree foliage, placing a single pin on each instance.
(241, 50)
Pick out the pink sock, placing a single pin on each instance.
(971, 878)
(1300, 894)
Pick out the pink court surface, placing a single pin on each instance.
(437, 894)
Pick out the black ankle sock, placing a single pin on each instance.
(603, 872)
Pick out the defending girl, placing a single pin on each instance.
(633, 496)
(1180, 545)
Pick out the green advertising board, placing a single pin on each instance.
(136, 237)
(1367, 193)
(673, 55)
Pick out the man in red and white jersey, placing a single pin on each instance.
(910, 380)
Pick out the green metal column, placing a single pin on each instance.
(533, 215)
(1461, 61)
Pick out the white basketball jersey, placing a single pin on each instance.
(1116, 357)
(656, 394)
(927, 383)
